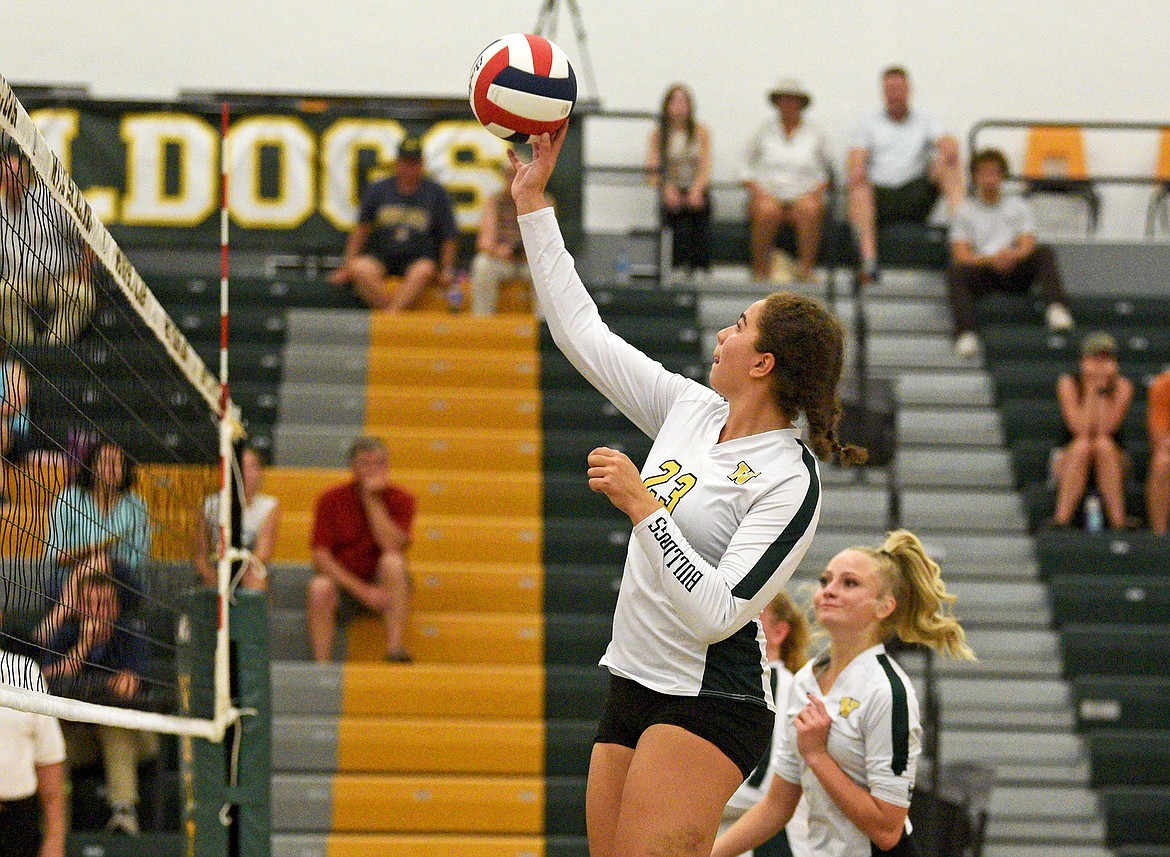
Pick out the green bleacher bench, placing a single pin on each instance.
(145, 844)
(587, 541)
(576, 639)
(1112, 312)
(647, 333)
(1031, 457)
(1144, 343)
(556, 372)
(1072, 552)
(1137, 815)
(1129, 757)
(564, 810)
(568, 449)
(574, 690)
(1122, 702)
(1112, 649)
(285, 292)
(1120, 599)
(568, 492)
(1041, 419)
(566, 409)
(571, 587)
(566, 846)
(1040, 505)
(656, 303)
(568, 744)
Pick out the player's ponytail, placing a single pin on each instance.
(809, 346)
(923, 611)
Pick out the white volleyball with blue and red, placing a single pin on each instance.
(522, 86)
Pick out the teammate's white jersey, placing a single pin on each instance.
(875, 737)
(756, 786)
(737, 517)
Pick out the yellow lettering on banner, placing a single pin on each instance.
(340, 148)
(296, 182)
(146, 136)
(465, 158)
(58, 125)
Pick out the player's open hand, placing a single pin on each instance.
(532, 178)
(812, 728)
(613, 474)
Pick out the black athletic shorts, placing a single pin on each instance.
(908, 203)
(741, 730)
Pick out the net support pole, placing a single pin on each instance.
(228, 785)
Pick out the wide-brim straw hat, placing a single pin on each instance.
(790, 86)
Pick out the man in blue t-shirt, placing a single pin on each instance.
(406, 229)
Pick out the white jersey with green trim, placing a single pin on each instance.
(737, 516)
(875, 738)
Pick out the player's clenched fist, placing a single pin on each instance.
(613, 474)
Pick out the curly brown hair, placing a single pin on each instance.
(809, 346)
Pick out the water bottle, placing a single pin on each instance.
(456, 291)
(621, 266)
(1094, 514)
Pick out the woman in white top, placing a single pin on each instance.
(786, 636)
(261, 519)
(787, 174)
(853, 736)
(678, 163)
(730, 502)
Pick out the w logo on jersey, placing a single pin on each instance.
(849, 705)
(743, 474)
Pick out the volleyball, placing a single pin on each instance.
(521, 86)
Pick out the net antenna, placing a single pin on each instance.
(546, 25)
(133, 381)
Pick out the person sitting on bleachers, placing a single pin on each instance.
(52, 279)
(994, 249)
(96, 654)
(499, 252)
(1093, 405)
(99, 521)
(14, 424)
(678, 164)
(786, 173)
(405, 229)
(899, 164)
(261, 521)
(1158, 477)
(361, 531)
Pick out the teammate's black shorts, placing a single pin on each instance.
(908, 203)
(741, 730)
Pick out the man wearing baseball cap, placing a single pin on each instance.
(405, 230)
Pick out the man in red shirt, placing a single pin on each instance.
(361, 531)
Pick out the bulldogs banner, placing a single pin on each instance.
(297, 166)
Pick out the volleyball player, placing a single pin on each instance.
(729, 504)
(853, 735)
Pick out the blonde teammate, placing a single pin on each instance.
(722, 511)
(853, 737)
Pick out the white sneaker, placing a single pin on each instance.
(1058, 317)
(124, 819)
(967, 345)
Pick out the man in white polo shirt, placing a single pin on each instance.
(899, 163)
(32, 771)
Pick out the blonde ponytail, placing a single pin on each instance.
(923, 611)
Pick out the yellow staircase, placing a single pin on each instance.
(445, 756)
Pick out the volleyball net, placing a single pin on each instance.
(113, 433)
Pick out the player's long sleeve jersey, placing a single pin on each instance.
(737, 516)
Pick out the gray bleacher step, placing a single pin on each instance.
(300, 845)
(966, 388)
(892, 316)
(914, 351)
(287, 584)
(329, 327)
(1055, 832)
(302, 803)
(322, 364)
(1006, 646)
(327, 404)
(955, 467)
(1001, 746)
(909, 283)
(306, 689)
(1005, 551)
(1017, 603)
(1037, 774)
(949, 426)
(854, 506)
(1004, 849)
(988, 510)
(1022, 696)
(304, 744)
(288, 634)
(1015, 804)
(312, 445)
